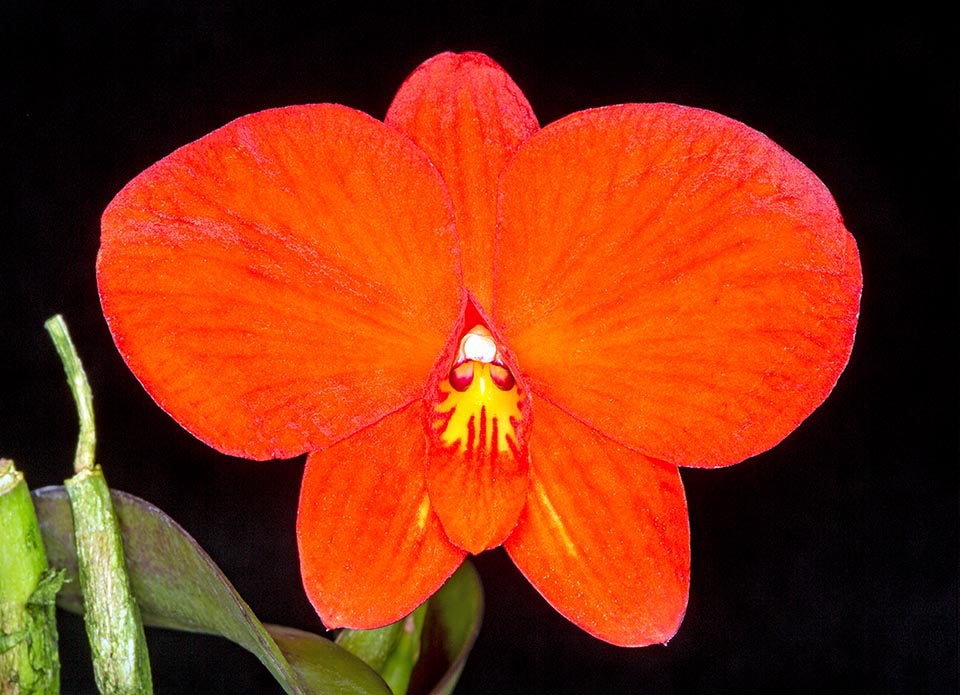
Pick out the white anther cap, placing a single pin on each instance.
(478, 344)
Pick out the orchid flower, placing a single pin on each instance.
(485, 333)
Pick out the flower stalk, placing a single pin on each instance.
(118, 646)
(29, 664)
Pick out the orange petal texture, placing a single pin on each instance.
(371, 547)
(604, 536)
(284, 281)
(466, 113)
(675, 280)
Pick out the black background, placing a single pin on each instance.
(828, 563)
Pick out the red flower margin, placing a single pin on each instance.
(485, 333)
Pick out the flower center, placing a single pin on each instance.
(480, 407)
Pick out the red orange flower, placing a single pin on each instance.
(485, 333)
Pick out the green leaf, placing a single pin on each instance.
(450, 628)
(178, 586)
(373, 646)
(454, 615)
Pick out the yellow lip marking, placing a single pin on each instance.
(480, 418)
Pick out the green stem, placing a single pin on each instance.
(80, 387)
(29, 664)
(121, 664)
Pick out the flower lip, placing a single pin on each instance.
(477, 421)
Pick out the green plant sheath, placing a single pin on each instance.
(406, 652)
(392, 650)
(29, 664)
(112, 617)
(121, 664)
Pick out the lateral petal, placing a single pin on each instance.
(466, 113)
(371, 547)
(674, 279)
(604, 536)
(283, 281)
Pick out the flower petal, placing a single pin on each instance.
(674, 279)
(466, 113)
(371, 547)
(283, 281)
(604, 536)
